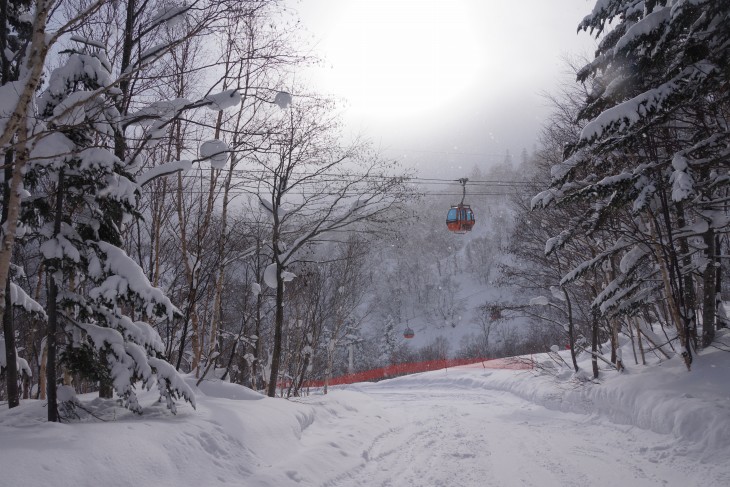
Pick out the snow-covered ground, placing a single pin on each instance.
(468, 426)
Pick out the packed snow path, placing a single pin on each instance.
(443, 437)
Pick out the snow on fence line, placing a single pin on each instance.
(413, 368)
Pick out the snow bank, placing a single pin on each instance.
(235, 437)
(225, 390)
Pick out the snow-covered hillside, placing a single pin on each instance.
(468, 426)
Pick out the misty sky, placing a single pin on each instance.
(441, 84)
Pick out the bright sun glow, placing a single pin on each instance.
(402, 58)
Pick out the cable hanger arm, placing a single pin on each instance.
(463, 182)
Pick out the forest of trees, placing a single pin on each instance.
(162, 184)
(175, 203)
(634, 224)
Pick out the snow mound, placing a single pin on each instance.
(225, 390)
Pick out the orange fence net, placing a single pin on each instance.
(413, 368)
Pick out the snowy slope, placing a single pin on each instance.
(665, 425)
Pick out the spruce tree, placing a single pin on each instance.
(654, 152)
(81, 193)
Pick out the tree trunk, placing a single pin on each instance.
(689, 299)
(300, 383)
(686, 295)
(328, 370)
(665, 262)
(258, 347)
(654, 345)
(613, 323)
(181, 349)
(191, 276)
(633, 342)
(641, 342)
(158, 215)
(708, 290)
(120, 141)
(613, 339)
(16, 125)
(720, 323)
(10, 214)
(51, 337)
(35, 62)
(278, 333)
(233, 348)
(106, 388)
(11, 362)
(571, 331)
(11, 359)
(594, 345)
(217, 311)
(26, 386)
(42, 372)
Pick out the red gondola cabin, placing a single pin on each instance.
(460, 219)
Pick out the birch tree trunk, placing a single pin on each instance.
(17, 126)
(191, 315)
(11, 362)
(278, 332)
(637, 325)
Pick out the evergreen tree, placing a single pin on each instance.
(655, 147)
(95, 290)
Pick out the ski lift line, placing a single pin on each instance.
(434, 191)
(469, 181)
(481, 190)
(405, 179)
(490, 184)
(448, 153)
(253, 191)
(312, 186)
(445, 182)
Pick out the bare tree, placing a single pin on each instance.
(313, 188)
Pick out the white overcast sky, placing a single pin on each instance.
(444, 84)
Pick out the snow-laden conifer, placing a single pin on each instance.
(81, 193)
(654, 149)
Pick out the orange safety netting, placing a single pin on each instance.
(413, 368)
